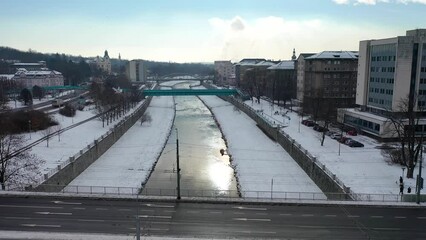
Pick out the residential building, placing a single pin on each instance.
(41, 78)
(281, 81)
(136, 71)
(300, 69)
(390, 70)
(329, 80)
(242, 66)
(225, 72)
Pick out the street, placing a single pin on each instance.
(211, 220)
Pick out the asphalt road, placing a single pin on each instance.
(211, 220)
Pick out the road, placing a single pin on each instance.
(211, 220)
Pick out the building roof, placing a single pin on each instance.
(335, 55)
(283, 65)
(7, 76)
(45, 71)
(251, 61)
(265, 63)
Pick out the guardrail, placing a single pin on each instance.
(227, 194)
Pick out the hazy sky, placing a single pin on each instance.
(202, 30)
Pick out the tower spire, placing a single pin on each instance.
(294, 55)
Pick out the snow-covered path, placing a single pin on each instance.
(260, 162)
(129, 162)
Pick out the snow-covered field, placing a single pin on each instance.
(129, 162)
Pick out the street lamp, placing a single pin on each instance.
(272, 184)
(29, 127)
(177, 163)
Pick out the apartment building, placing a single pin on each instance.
(390, 70)
(328, 77)
(225, 72)
(41, 78)
(136, 71)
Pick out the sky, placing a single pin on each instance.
(202, 30)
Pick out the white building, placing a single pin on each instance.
(225, 72)
(389, 70)
(136, 71)
(104, 63)
(41, 78)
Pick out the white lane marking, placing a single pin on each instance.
(307, 215)
(90, 220)
(387, 229)
(19, 206)
(285, 214)
(150, 229)
(376, 216)
(252, 219)
(330, 215)
(101, 209)
(248, 208)
(53, 213)
(19, 218)
(263, 214)
(79, 208)
(70, 203)
(37, 225)
(146, 210)
(400, 217)
(159, 206)
(353, 216)
(169, 211)
(148, 216)
(215, 212)
(421, 217)
(255, 232)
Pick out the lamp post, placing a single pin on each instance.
(272, 184)
(419, 182)
(29, 127)
(177, 164)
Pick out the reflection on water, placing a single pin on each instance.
(202, 166)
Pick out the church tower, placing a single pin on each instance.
(294, 55)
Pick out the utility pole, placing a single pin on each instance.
(419, 177)
(177, 164)
(138, 223)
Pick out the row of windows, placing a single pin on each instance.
(383, 69)
(383, 58)
(422, 80)
(423, 69)
(422, 92)
(333, 62)
(362, 123)
(382, 91)
(380, 101)
(382, 80)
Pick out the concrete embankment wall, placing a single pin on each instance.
(324, 179)
(75, 165)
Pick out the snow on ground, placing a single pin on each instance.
(130, 160)
(364, 170)
(260, 162)
(70, 142)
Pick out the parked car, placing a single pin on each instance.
(352, 132)
(336, 136)
(318, 128)
(329, 133)
(353, 143)
(308, 123)
(57, 102)
(343, 139)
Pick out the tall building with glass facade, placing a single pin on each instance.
(389, 71)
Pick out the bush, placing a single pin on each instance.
(23, 121)
(68, 111)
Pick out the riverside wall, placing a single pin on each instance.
(323, 178)
(74, 166)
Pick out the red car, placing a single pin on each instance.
(352, 132)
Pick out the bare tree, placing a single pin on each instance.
(22, 169)
(47, 134)
(406, 127)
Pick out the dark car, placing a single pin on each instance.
(343, 139)
(318, 128)
(352, 132)
(308, 123)
(353, 143)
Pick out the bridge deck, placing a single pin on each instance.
(190, 92)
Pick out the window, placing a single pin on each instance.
(373, 59)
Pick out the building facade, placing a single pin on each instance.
(329, 78)
(136, 71)
(41, 78)
(281, 81)
(225, 72)
(104, 63)
(300, 69)
(390, 70)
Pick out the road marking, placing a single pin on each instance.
(285, 214)
(330, 215)
(353, 216)
(307, 215)
(146, 210)
(37, 225)
(238, 213)
(252, 219)
(101, 209)
(90, 220)
(192, 211)
(248, 208)
(387, 229)
(19, 218)
(400, 217)
(150, 229)
(125, 209)
(263, 214)
(255, 232)
(376, 216)
(169, 211)
(421, 217)
(19, 206)
(52, 213)
(159, 206)
(148, 216)
(215, 212)
(70, 203)
(79, 208)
